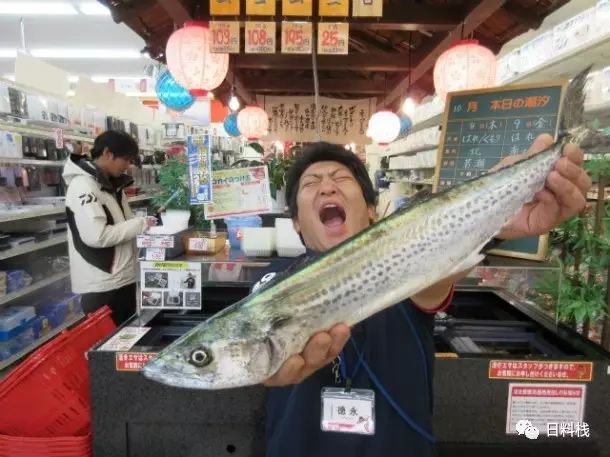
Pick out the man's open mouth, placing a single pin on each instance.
(332, 215)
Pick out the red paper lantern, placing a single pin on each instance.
(253, 122)
(384, 127)
(466, 65)
(190, 61)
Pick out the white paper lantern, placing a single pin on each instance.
(384, 127)
(466, 65)
(190, 61)
(253, 122)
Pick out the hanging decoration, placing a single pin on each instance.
(466, 65)
(405, 124)
(172, 94)
(190, 61)
(252, 122)
(384, 127)
(230, 125)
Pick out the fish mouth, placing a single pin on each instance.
(332, 215)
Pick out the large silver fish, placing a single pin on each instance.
(389, 261)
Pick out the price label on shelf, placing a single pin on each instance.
(59, 138)
(155, 254)
(225, 37)
(333, 38)
(198, 244)
(260, 37)
(155, 241)
(296, 37)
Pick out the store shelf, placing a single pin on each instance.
(39, 342)
(427, 123)
(428, 147)
(40, 163)
(568, 64)
(34, 287)
(42, 132)
(9, 216)
(31, 247)
(140, 198)
(412, 168)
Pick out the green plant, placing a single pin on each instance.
(173, 176)
(278, 166)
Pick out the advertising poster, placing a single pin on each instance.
(170, 285)
(240, 192)
(200, 169)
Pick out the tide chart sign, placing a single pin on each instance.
(481, 127)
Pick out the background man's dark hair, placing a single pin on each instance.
(121, 144)
(319, 152)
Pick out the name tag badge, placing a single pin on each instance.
(348, 412)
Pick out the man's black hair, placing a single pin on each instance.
(320, 152)
(121, 144)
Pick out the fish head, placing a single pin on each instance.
(213, 363)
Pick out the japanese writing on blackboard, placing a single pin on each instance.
(484, 128)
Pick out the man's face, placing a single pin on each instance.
(331, 206)
(113, 165)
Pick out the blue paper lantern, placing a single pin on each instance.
(171, 94)
(230, 125)
(405, 124)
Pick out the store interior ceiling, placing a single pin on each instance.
(389, 57)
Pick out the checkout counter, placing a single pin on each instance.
(496, 354)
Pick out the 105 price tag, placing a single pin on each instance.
(296, 37)
(225, 37)
(260, 37)
(333, 38)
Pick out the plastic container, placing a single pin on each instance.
(47, 395)
(235, 226)
(258, 241)
(175, 220)
(68, 446)
(14, 320)
(287, 241)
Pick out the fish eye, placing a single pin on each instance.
(200, 358)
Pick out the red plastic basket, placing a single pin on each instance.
(77, 446)
(47, 395)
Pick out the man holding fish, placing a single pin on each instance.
(344, 338)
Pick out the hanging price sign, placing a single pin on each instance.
(260, 37)
(296, 37)
(225, 37)
(297, 8)
(333, 8)
(333, 38)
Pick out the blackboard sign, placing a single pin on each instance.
(481, 127)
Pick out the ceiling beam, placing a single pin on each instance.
(306, 85)
(474, 19)
(396, 16)
(179, 14)
(354, 62)
(128, 11)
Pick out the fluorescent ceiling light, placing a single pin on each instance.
(71, 93)
(105, 79)
(9, 77)
(116, 54)
(93, 9)
(37, 8)
(8, 53)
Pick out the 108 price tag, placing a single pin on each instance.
(260, 37)
(296, 37)
(333, 38)
(225, 37)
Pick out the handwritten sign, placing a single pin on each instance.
(260, 7)
(297, 7)
(481, 127)
(225, 37)
(155, 254)
(240, 192)
(367, 8)
(260, 37)
(224, 7)
(333, 38)
(296, 37)
(334, 7)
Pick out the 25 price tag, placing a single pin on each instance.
(333, 38)
(296, 37)
(260, 37)
(225, 37)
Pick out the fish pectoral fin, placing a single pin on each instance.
(469, 262)
(492, 244)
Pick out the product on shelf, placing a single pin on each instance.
(16, 280)
(15, 329)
